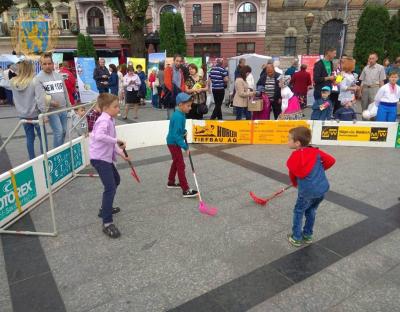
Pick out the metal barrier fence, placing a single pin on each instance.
(41, 122)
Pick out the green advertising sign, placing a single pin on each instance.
(60, 164)
(397, 144)
(26, 191)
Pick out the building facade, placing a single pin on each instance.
(221, 29)
(224, 28)
(287, 33)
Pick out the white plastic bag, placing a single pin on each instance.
(370, 112)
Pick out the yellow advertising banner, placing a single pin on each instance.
(354, 133)
(137, 61)
(244, 131)
(213, 131)
(274, 132)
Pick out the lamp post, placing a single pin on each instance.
(308, 21)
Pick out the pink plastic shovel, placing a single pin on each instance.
(203, 208)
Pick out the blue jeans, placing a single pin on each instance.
(154, 100)
(242, 111)
(30, 138)
(386, 113)
(304, 207)
(58, 122)
(110, 178)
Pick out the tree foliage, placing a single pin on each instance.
(90, 49)
(48, 7)
(172, 34)
(167, 33)
(81, 46)
(371, 33)
(132, 22)
(392, 45)
(5, 5)
(180, 34)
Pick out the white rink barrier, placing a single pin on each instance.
(361, 133)
(23, 187)
(145, 134)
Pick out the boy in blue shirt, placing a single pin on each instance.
(176, 142)
(322, 107)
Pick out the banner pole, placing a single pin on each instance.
(46, 168)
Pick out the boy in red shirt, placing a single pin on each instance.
(307, 167)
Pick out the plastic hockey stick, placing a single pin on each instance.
(264, 201)
(133, 171)
(203, 208)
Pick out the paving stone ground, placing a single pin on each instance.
(172, 258)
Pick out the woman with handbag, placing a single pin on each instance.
(243, 94)
(197, 87)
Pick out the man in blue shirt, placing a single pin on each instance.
(218, 77)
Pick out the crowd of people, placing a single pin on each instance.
(275, 94)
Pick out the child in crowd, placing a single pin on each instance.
(176, 142)
(80, 126)
(387, 98)
(103, 149)
(346, 113)
(291, 109)
(322, 108)
(307, 167)
(92, 116)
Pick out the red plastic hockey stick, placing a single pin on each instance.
(264, 201)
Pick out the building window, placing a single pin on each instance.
(64, 21)
(290, 46)
(95, 21)
(168, 9)
(247, 17)
(207, 49)
(196, 14)
(217, 14)
(332, 34)
(245, 48)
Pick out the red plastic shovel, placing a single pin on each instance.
(264, 201)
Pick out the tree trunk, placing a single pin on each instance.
(138, 47)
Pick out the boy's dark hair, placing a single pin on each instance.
(301, 134)
(139, 66)
(47, 55)
(329, 49)
(104, 100)
(393, 73)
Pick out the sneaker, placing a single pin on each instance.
(114, 211)
(189, 193)
(173, 185)
(294, 242)
(307, 239)
(111, 231)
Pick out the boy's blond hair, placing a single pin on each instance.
(301, 134)
(104, 100)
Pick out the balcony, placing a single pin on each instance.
(207, 28)
(246, 27)
(96, 30)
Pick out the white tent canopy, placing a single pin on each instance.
(255, 61)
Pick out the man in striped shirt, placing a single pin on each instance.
(218, 77)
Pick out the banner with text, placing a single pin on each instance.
(382, 134)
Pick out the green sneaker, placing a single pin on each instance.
(307, 239)
(294, 242)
